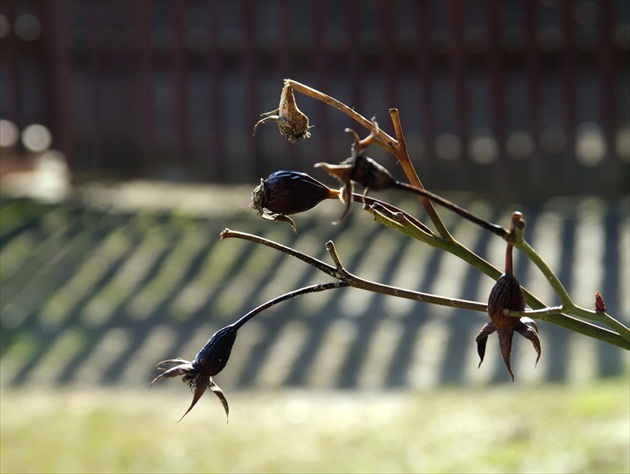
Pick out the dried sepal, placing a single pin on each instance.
(482, 340)
(530, 331)
(292, 123)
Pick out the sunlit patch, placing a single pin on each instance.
(9, 133)
(484, 149)
(36, 137)
(297, 411)
(590, 144)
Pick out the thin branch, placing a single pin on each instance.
(367, 285)
(287, 296)
(494, 228)
(383, 139)
(343, 275)
(403, 158)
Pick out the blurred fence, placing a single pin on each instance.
(529, 97)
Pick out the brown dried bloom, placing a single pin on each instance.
(210, 360)
(292, 123)
(359, 169)
(506, 296)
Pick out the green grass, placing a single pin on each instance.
(509, 429)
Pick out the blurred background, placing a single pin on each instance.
(126, 147)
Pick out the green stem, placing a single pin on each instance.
(544, 313)
(567, 303)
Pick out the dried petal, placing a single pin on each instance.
(505, 342)
(482, 339)
(198, 392)
(214, 388)
(529, 331)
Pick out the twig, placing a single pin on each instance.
(383, 139)
(287, 296)
(405, 162)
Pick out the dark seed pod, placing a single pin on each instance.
(506, 294)
(213, 357)
(370, 174)
(288, 192)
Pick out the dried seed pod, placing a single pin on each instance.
(210, 360)
(288, 192)
(214, 355)
(292, 123)
(507, 296)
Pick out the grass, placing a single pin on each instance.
(502, 429)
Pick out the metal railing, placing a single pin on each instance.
(523, 97)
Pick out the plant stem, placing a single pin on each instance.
(540, 312)
(383, 139)
(567, 303)
(287, 296)
(341, 274)
(367, 285)
(405, 162)
(494, 228)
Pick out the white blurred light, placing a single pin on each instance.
(297, 411)
(447, 146)
(484, 149)
(9, 133)
(36, 137)
(27, 28)
(591, 144)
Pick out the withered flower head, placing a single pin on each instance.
(360, 169)
(288, 192)
(292, 123)
(210, 360)
(506, 296)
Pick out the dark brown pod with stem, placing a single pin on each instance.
(506, 296)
